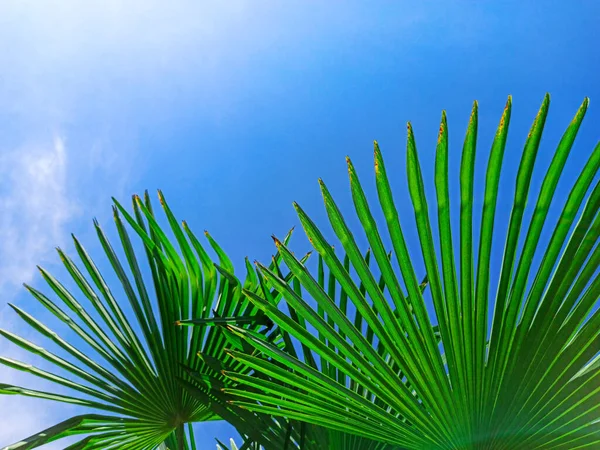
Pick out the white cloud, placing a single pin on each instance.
(35, 209)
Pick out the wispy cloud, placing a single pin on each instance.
(35, 209)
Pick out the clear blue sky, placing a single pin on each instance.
(235, 108)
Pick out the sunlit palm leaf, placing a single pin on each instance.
(531, 381)
(138, 366)
(298, 435)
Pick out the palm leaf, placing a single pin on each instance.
(137, 365)
(531, 381)
(277, 433)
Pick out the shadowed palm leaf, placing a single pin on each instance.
(145, 373)
(531, 381)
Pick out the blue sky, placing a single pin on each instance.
(235, 108)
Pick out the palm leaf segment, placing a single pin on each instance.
(143, 373)
(532, 381)
(302, 435)
(296, 434)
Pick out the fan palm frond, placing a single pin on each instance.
(136, 365)
(530, 381)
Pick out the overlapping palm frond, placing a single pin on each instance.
(531, 381)
(136, 366)
(299, 435)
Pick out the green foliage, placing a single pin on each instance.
(298, 434)
(137, 366)
(531, 381)
(353, 357)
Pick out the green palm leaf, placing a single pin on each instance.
(531, 381)
(295, 434)
(137, 365)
